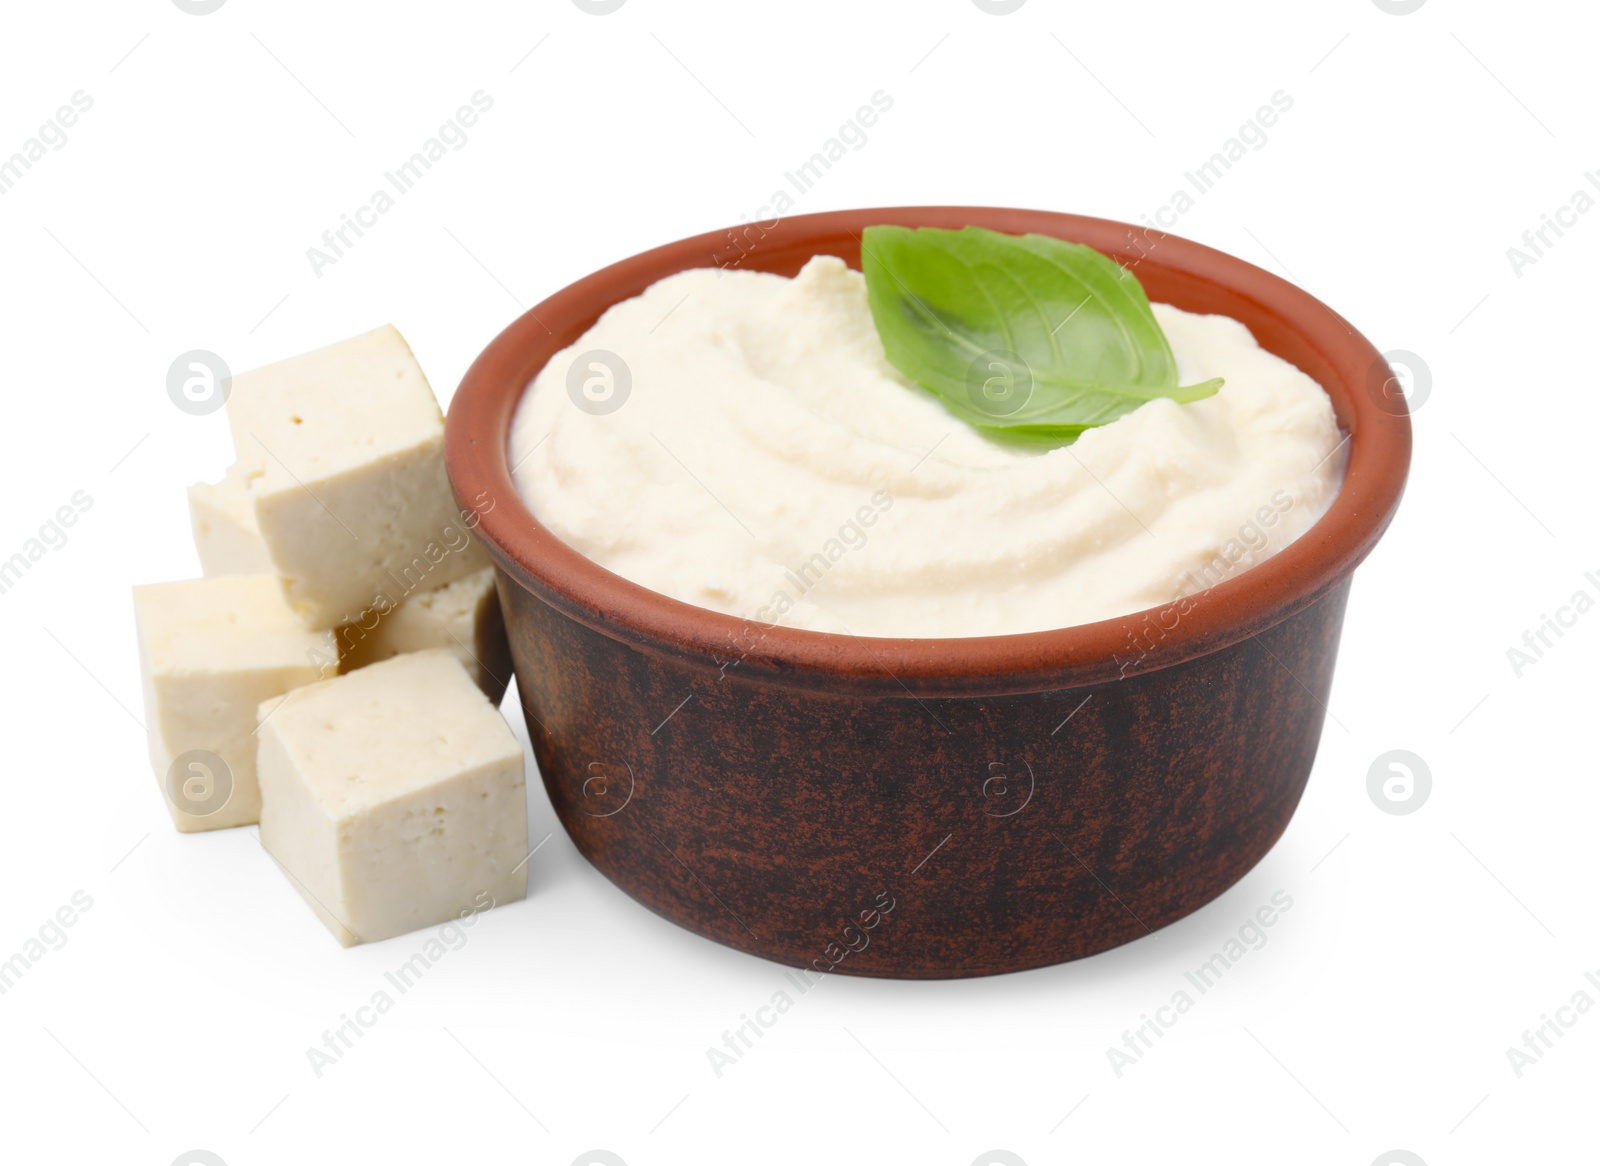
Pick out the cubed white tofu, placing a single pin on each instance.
(394, 797)
(463, 617)
(210, 651)
(344, 452)
(223, 515)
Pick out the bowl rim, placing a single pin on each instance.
(1283, 318)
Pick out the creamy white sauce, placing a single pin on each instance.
(768, 462)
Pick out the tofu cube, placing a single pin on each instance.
(394, 797)
(223, 515)
(463, 617)
(210, 651)
(343, 449)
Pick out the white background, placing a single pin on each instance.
(177, 216)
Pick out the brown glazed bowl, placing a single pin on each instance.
(929, 808)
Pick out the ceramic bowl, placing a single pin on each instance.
(929, 808)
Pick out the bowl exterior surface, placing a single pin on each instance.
(921, 838)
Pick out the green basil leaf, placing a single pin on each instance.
(1026, 337)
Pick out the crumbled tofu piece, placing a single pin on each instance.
(226, 536)
(343, 449)
(394, 797)
(210, 651)
(463, 617)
